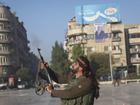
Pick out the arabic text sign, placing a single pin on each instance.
(89, 14)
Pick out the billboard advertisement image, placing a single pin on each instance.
(100, 35)
(95, 14)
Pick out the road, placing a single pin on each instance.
(26, 97)
(125, 94)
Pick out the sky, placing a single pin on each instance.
(46, 20)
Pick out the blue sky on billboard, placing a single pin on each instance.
(95, 14)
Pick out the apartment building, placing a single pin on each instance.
(121, 41)
(133, 33)
(14, 50)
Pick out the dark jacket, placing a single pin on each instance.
(79, 91)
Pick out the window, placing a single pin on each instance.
(134, 35)
(115, 35)
(133, 56)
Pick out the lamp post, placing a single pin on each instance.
(110, 62)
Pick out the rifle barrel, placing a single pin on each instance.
(41, 57)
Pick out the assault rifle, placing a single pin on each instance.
(40, 83)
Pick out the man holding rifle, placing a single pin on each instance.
(81, 90)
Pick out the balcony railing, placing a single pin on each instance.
(74, 32)
(77, 42)
(118, 64)
(117, 51)
(134, 50)
(4, 19)
(5, 30)
(134, 30)
(5, 41)
(6, 52)
(114, 39)
(135, 60)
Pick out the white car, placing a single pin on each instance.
(21, 86)
(3, 86)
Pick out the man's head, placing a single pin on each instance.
(81, 65)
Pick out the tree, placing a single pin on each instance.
(24, 74)
(77, 51)
(59, 58)
(100, 64)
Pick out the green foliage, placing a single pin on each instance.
(100, 63)
(77, 51)
(59, 57)
(24, 74)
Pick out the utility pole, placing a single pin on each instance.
(110, 62)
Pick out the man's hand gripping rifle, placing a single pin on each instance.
(41, 83)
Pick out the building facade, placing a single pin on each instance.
(14, 50)
(121, 41)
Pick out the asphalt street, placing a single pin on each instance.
(125, 94)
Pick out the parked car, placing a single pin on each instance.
(3, 83)
(21, 85)
(3, 86)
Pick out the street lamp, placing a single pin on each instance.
(110, 61)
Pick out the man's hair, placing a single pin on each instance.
(85, 64)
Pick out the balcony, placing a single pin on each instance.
(5, 30)
(134, 50)
(83, 41)
(135, 60)
(6, 52)
(134, 30)
(116, 39)
(134, 41)
(4, 19)
(117, 28)
(75, 32)
(117, 51)
(5, 63)
(5, 41)
(118, 64)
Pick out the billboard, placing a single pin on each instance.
(95, 14)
